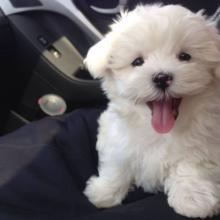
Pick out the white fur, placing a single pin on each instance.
(184, 163)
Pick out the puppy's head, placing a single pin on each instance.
(157, 55)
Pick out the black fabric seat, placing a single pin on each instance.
(44, 167)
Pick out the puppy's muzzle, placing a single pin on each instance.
(162, 80)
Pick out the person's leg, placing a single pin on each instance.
(44, 167)
(154, 207)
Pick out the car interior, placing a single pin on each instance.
(42, 46)
(45, 164)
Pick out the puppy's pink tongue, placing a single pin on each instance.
(162, 116)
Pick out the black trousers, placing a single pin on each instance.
(44, 167)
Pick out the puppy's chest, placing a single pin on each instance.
(151, 164)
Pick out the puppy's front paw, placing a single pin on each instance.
(101, 193)
(195, 202)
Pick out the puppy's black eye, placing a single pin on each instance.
(184, 56)
(138, 61)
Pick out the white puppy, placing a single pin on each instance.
(161, 130)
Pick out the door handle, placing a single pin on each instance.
(121, 5)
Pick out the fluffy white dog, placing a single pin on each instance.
(161, 130)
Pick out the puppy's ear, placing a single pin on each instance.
(97, 57)
(214, 20)
(217, 67)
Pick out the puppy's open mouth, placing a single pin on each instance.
(164, 113)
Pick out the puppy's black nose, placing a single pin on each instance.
(162, 80)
